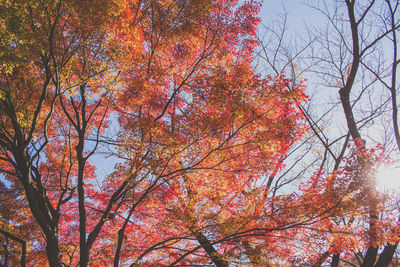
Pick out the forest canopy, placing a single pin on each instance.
(214, 149)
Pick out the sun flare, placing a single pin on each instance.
(388, 178)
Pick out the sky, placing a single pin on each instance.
(300, 15)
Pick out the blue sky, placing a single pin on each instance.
(298, 13)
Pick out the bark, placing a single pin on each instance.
(387, 255)
(121, 233)
(40, 206)
(392, 88)
(53, 252)
(344, 93)
(83, 250)
(370, 257)
(335, 260)
(209, 248)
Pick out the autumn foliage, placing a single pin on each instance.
(164, 97)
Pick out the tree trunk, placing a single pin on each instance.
(39, 204)
(335, 260)
(53, 252)
(209, 248)
(370, 257)
(387, 255)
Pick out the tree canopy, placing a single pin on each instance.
(197, 144)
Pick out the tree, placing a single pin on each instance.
(355, 52)
(198, 130)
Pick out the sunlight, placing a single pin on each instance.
(388, 178)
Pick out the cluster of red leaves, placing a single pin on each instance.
(199, 132)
